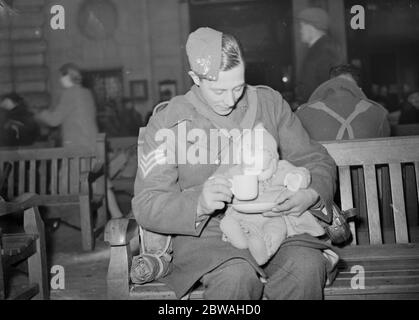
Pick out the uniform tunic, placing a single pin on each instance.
(342, 96)
(166, 195)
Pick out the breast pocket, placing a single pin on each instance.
(196, 164)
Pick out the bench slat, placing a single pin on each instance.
(64, 176)
(380, 252)
(32, 176)
(384, 273)
(346, 195)
(417, 178)
(399, 211)
(374, 289)
(43, 177)
(11, 182)
(384, 196)
(372, 204)
(54, 176)
(21, 186)
(74, 175)
(3, 177)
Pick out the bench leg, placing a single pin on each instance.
(118, 273)
(37, 263)
(102, 216)
(87, 234)
(102, 211)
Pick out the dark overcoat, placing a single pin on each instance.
(166, 194)
(320, 58)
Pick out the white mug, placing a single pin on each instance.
(245, 187)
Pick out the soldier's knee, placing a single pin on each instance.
(236, 279)
(308, 264)
(241, 271)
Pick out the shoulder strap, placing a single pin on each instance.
(361, 107)
(160, 107)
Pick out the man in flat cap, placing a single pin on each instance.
(323, 52)
(188, 200)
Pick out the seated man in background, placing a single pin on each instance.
(339, 110)
(17, 125)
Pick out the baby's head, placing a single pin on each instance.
(259, 153)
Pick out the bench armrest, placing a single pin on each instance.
(119, 232)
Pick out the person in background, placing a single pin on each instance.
(339, 110)
(17, 124)
(76, 111)
(323, 52)
(76, 114)
(410, 110)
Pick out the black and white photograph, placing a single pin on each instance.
(219, 150)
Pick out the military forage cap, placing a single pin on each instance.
(204, 52)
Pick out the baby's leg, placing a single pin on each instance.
(275, 231)
(256, 242)
(233, 232)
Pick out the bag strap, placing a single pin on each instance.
(168, 240)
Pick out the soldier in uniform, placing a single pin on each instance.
(186, 200)
(339, 110)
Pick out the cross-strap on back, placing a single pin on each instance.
(361, 107)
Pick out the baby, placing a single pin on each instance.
(264, 235)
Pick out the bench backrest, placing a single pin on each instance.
(50, 171)
(373, 155)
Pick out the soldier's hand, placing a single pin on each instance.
(294, 203)
(216, 192)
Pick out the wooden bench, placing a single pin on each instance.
(63, 178)
(27, 247)
(390, 268)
